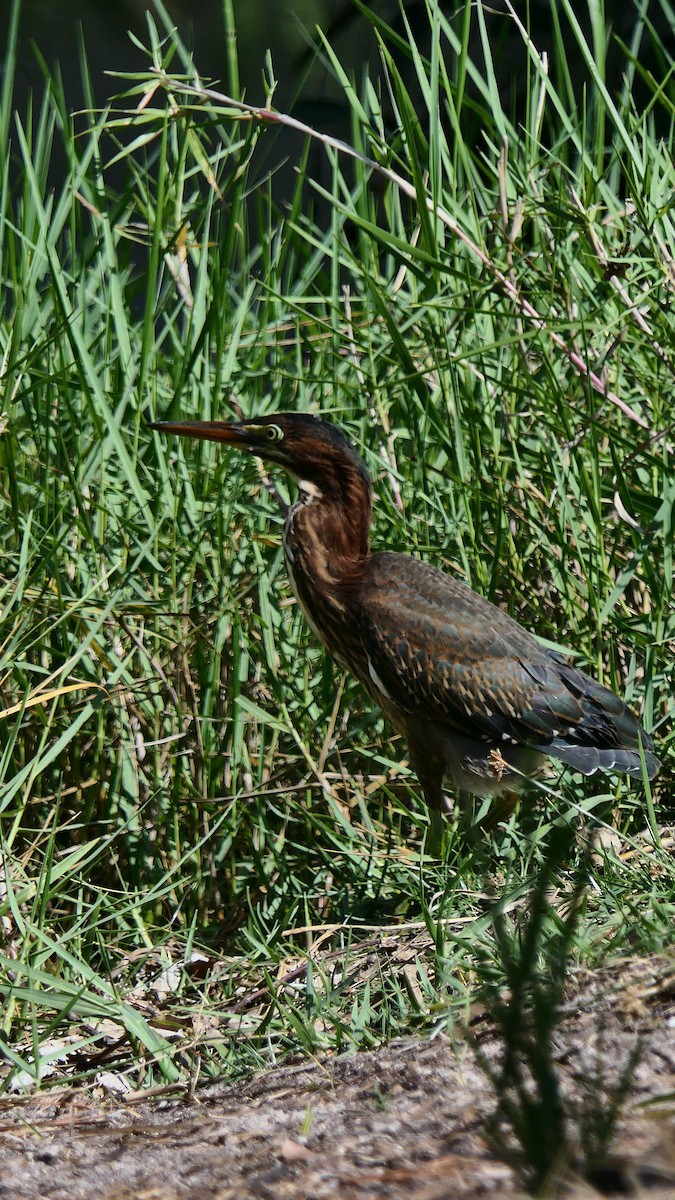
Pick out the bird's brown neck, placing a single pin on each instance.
(326, 542)
(330, 523)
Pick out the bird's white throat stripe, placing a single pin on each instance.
(310, 490)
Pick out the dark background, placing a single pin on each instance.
(286, 27)
(52, 31)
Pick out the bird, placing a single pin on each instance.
(480, 701)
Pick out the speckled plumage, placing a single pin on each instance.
(480, 701)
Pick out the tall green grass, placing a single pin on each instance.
(208, 836)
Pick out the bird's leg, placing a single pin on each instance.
(430, 774)
(434, 844)
(466, 811)
(500, 810)
(447, 817)
(437, 833)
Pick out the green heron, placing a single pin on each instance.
(479, 700)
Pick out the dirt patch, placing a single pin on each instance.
(404, 1121)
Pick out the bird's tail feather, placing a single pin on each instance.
(589, 759)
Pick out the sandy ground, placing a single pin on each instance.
(404, 1121)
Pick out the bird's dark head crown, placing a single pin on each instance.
(312, 450)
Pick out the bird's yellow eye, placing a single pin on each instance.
(271, 433)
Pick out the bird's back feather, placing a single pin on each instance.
(449, 655)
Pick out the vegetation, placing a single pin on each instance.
(212, 852)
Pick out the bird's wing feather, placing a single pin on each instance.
(445, 653)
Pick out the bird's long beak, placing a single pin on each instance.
(229, 432)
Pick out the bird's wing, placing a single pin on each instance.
(441, 651)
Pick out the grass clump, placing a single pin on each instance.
(484, 304)
(550, 1131)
